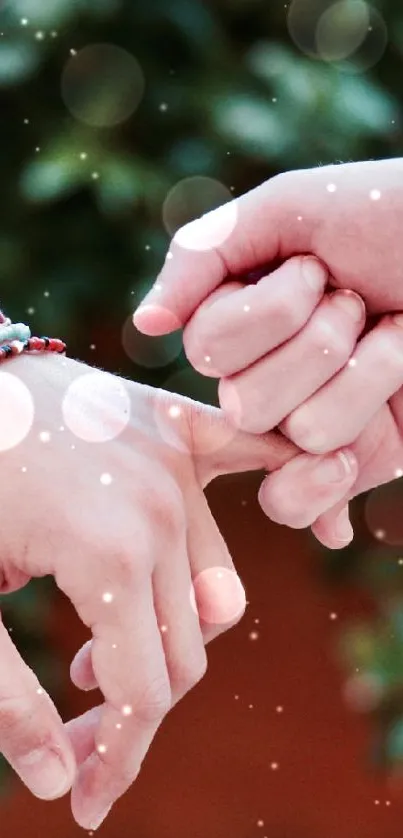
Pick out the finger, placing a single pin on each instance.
(81, 669)
(129, 665)
(81, 732)
(219, 448)
(269, 222)
(306, 487)
(253, 399)
(235, 330)
(32, 736)
(370, 378)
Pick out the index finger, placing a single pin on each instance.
(236, 238)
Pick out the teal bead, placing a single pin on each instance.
(16, 331)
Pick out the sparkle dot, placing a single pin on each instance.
(376, 802)
(119, 726)
(174, 411)
(127, 710)
(39, 36)
(274, 99)
(399, 472)
(380, 534)
(44, 436)
(163, 629)
(107, 596)
(24, 469)
(30, 310)
(39, 691)
(325, 351)
(279, 709)
(250, 706)
(375, 194)
(106, 479)
(352, 362)
(236, 697)
(61, 428)
(24, 21)
(170, 255)
(114, 646)
(26, 121)
(37, 149)
(333, 616)
(260, 823)
(46, 293)
(83, 155)
(101, 749)
(331, 187)
(92, 346)
(95, 175)
(207, 358)
(400, 561)
(299, 218)
(147, 247)
(157, 286)
(163, 107)
(54, 34)
(253, 635)
(274, 766)
(246, 308)
(387, 802)
(73, 52)
(256, 620)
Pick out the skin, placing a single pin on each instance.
(142, 541)
(287, 327)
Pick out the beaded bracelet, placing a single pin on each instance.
(20, 340)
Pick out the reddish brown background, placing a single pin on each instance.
(209, 773)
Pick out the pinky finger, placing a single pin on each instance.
(306, 488)
(333, 529)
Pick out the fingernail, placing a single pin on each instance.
(398, 319)
(351, 303)
(96, 823)
(44, 774)
(148, 314)
(314, 273)
(343, 529)
(333, 469)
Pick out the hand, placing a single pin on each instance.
(106, 495)
(297, 494)
(349, 216)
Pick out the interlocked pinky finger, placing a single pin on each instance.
(307, 486)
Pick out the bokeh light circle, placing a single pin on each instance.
(350, 34)
(17, 413)
(96, 407)
(102, 85)
(150, 352)
(200, 213)
(383, 513)
(218, 596)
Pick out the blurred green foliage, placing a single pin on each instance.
(228, 95)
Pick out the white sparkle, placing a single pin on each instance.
(399, 472)
(26, 121)
(352, 362)
(24, 21)
(380, 534)
(44, 436)
(236, 697)
(163, 629)
(106, 479)
(279, 709)
(119, 726)
(147, 247)
(83, 155)
(325, 351)
(39, 36)
(24, 468)
(250, 706)
(207, 358)
(54, 34)
(299, 218)
(157, 286)
(114, 646)
(92, 346)
(246, 308)
(101, 749)
(37, 149)
(107, 597)
(163, 107)
(61, 428)
(253, 635)
(376, 802)
(95, 175)
(260, 823)
(46, 293)
(331, 187)
(174, 411)
(127, 710)
(39, 691)
(170, 255)
(387, 802)
(30, 310)
(73, 52)
(72, 447)
(333, 616)
(375, 194)
(274, 766)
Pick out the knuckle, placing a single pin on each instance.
(188, 673)
(325, 336)
(155, 702)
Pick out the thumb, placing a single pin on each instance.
(234, 239)
(219, 448)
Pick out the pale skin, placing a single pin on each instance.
(287, 352)
(126, 552)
